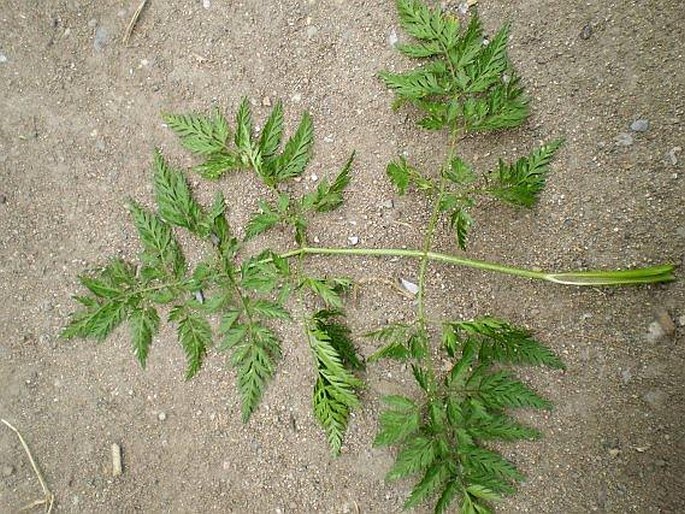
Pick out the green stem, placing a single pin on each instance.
(427, 240)
(653, 274)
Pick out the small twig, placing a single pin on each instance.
(134, 20)
(49, 498)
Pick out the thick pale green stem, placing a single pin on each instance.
(649, 275)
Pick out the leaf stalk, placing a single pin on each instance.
(647, 275)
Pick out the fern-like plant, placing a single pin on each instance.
(462, 84)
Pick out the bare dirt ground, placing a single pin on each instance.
(80, 117)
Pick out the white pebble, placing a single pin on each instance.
(392, 37)
(409, 286)
(353, 240)
(161, 416)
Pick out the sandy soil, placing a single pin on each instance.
(80, 117)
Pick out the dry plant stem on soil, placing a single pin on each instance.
(443, 436)
(48, 499)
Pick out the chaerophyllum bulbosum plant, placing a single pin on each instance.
(463, 84)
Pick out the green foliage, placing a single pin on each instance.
(402, 342)
(463, 82)
(210, 138)
(335, 389)
(444, 432)
(522, 182)
(194, 334)
(402, 175)
(329, 196)
(204, 135)
(442, 439)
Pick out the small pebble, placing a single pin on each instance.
(392, 38)
(654, 332)
(353, 240)
(672, 155)
(409, 286)
(681, 320)
(586, 33)
(206, 4)
(101, 39)
(328, 138)
(614, 452)
(297, 97)
(666, 322)
(311, 31)
(387, 204)
(640, 125)
(7, 470)
(656, 399)
(626, 376)
(266, 101)
(3, 58)
(161, 416)
(624, 139)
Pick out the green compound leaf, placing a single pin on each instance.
(328, 197)
(217, 165)
(459, 172)
(521, 183)
(402, 175)
(97, 320)
(260, 222)
(417, 455)
(194, 334)
(426, 24)
(270, 139)
(461, 221)
(500, 390)
(465, 82)
(112, 281)
(161, 250)
(175, 201)
(335, 389)
(204, 135)
(329, 290)
(329, 322)
(398, 422)
(255, 350)
(296, 154)
(501, 342)
(144, 323)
